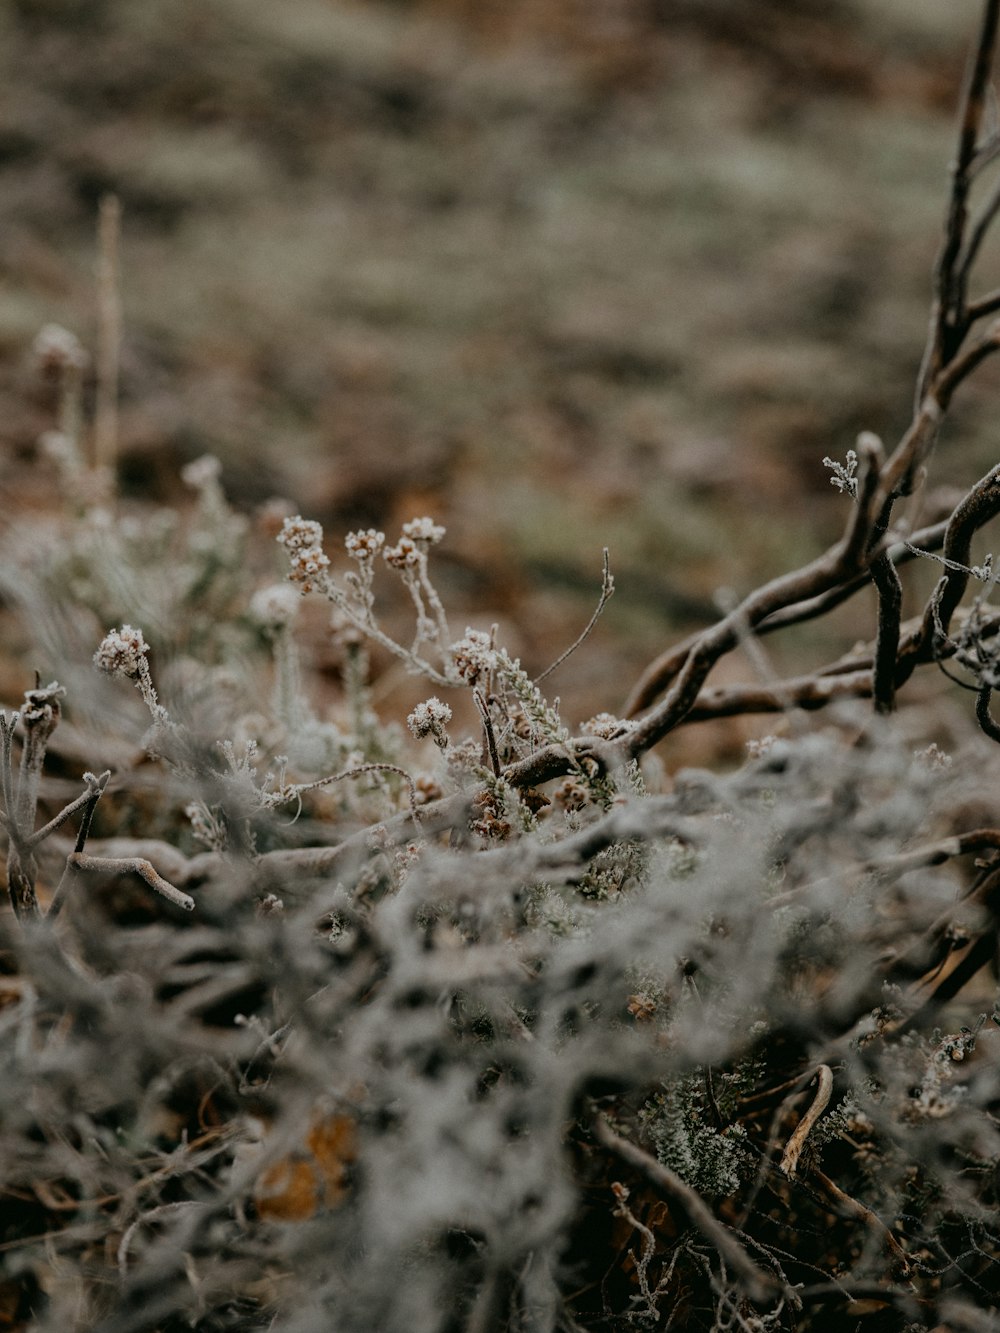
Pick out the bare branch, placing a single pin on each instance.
(95, 787)
(793, 1148)
(133, 865)
(949, 321)
(759, 1285)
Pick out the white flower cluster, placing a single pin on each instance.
(302, 538)
(474, 655)
(404, 555)
(423, 531)
(419, 534)
(430, 719)
(298, 533)
(364, 544)
(121, 652)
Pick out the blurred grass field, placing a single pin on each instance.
(565, 274)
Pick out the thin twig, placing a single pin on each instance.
(758, 1284)
(488, 732)
(133, 865)
(607, 589)
(848, 1206)
(95, 787)
(662, 671)
(984, 717)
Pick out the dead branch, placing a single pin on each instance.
(793, 1148)
(759, 1284)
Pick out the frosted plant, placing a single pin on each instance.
(549, 1043)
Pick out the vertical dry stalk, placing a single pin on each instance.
(109, 321)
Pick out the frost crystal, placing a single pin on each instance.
(844, 474)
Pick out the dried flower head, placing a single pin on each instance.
(307, 564)
(121, 652)
(201, 472)
(426, 789)
(571, 795)
(473, 655)
(606, 726)
(275, 605)
(424, 531)
(41, 705)
(55, 348)
(364, 544)
(430, 719)
(404, 555)
(298, 533)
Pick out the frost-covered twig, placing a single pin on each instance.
(77, 861)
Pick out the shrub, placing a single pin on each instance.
(328, 1026)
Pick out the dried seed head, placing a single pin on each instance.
(298, 533)
(473, 655)
(430, 719)
(55, 348)
(275, 605)
(121, 652)
(424, 531)
(404, 555)
(364, 544)
(307, 564)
